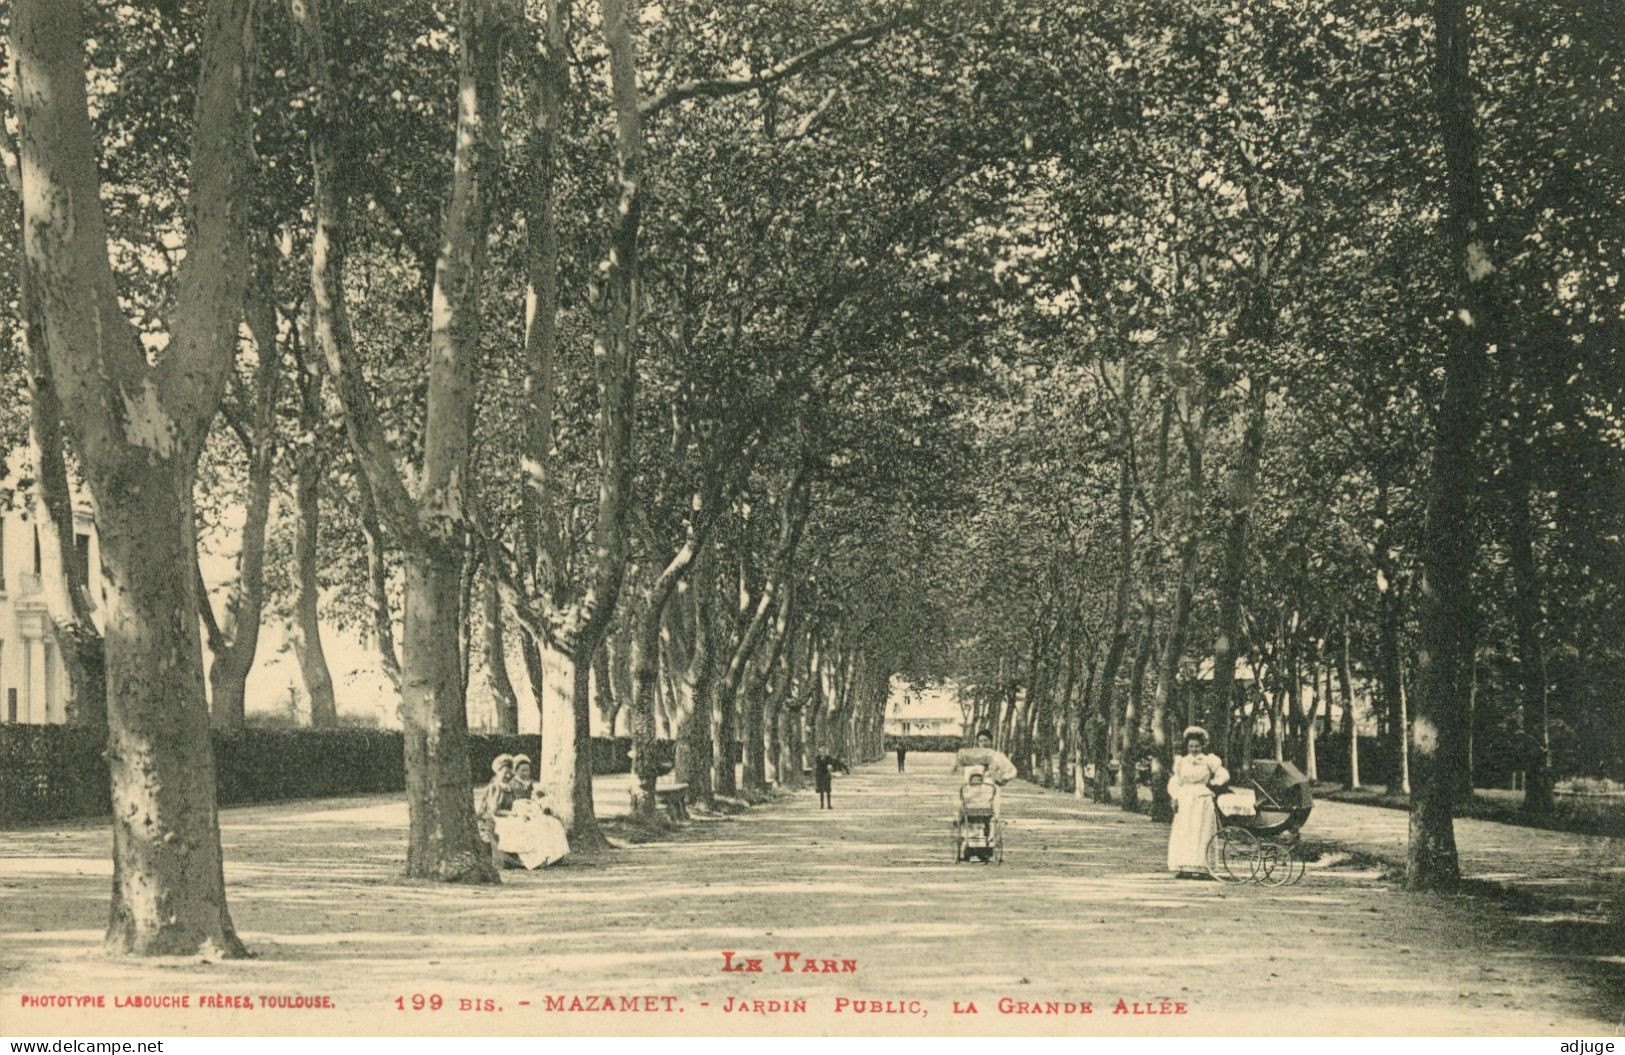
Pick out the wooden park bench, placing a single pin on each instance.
(673, 798)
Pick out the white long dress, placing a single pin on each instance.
(1194, 822)
(996, 765)
(536, 838)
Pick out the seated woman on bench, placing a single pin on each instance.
(496, 797)
(522, 825)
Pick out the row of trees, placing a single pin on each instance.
(1345, 404)
(719, 362)
(265, 296)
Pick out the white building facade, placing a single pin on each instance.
(927, 710)
(33, 679)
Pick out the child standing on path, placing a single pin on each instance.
(822, 766)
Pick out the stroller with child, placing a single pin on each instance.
(978, 831)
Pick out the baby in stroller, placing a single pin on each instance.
(978, 800)
(978, 827)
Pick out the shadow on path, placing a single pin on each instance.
(1081, 911)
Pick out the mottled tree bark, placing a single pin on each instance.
(382, 630)
(432, 527)
(696, 735)
(67, 600)
(83, 651)
(542, 537)
(503, 698)
(743, 672)
(781, 700)
(646, 679)
(566, 742)
(470, 560)
(169, 896)
(138, 429)
(305, 633)
(1107, 690)
(236, 640)
(579, 626)
(795, 750)
(1128, 781)
(443, 843)
(754, 612)
(1173, 653)
(531, 653)
(1240, 490)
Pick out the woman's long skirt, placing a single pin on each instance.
(536, 838)
(1194, 824)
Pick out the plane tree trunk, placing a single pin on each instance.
(138, 429)
(431, 528)
(235, 640)
(1106, 693)
(646, 679)
(305, 633)
(697, 742)
(579, 626)
(1128, 790)
(1173, 651)
(83, 653)
(503, 698)
(1239, 493)
(1449, 544)
(752, 676)
(1529, 620)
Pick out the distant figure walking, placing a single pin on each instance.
(1191, 789)
(902, 753)
(822, 767)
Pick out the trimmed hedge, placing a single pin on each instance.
(56, 772)
(926, 743)
(49, 772)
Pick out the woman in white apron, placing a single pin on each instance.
(1190, 789)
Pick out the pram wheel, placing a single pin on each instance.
(1279, 865)
(978, 839)
(1274, 868)
(1233, 855)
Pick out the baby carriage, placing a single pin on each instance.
(978, 831)
(1259, 820)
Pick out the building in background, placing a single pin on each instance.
(924, 710)
(33, 679)
(1329, 717)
